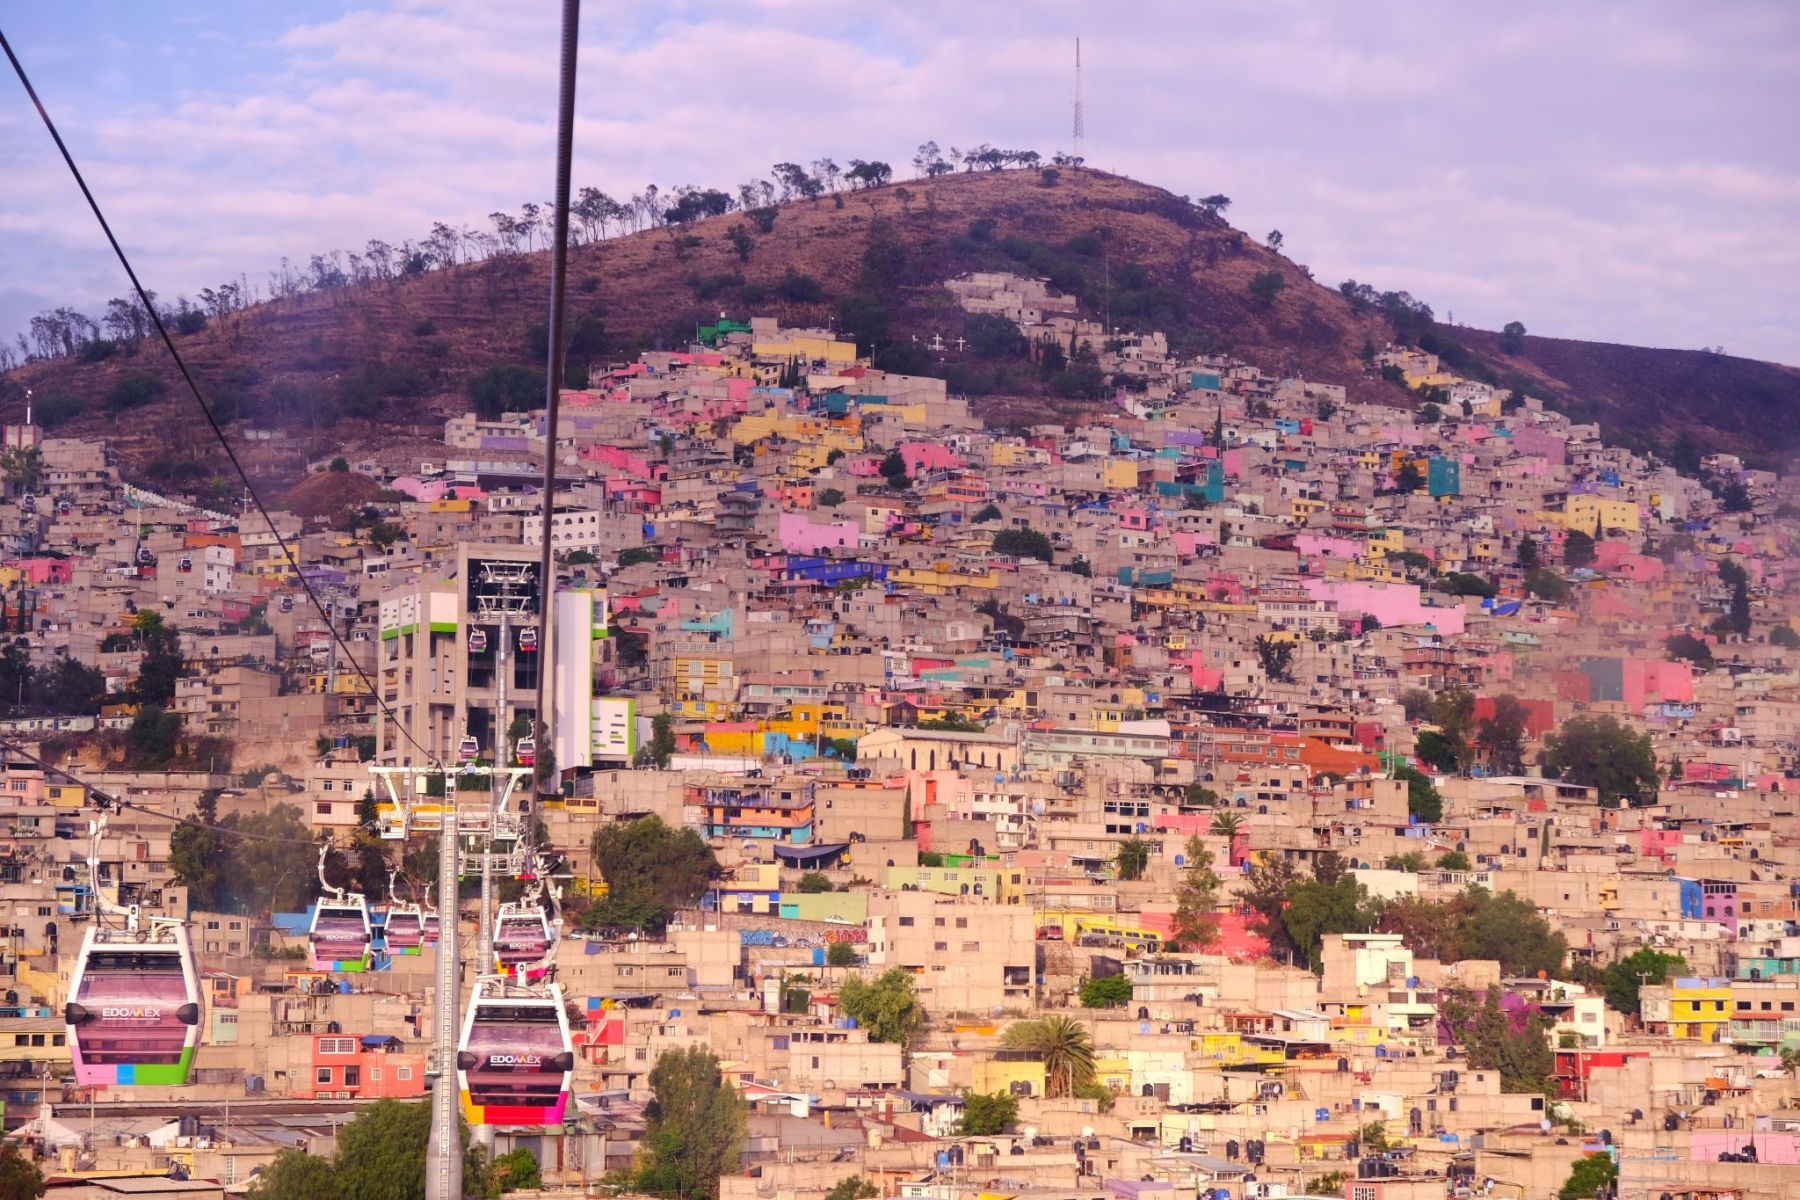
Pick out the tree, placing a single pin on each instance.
(505, 389)
(1198, 795)
(840, 954)
(984, 1116)
(1436, 751)
(1265, 892)
(1454, 860)
(1276, 656)
(20, 1178)
(1516, 1044)
(153, 738)
(517, 1171)
(1528, 552)
(1065, 1045)
(662, 740)
(987, 512)
(1409, 478)
(1593, 1175)
(741, 241)
(1785, 636)
(161, 664)
(1512, 337)
(1108, 991)
(1598, 752)
(1275, 239)
(1510, 931)
(1196, 924)
(1133, 857)
(1317, 907)
(812, 883)
(631, 556)
(1547, 585)
(1578, 549)
(1226, 824)
(830, 498)
(1453, 712)
(1622, 978)
(893, 469)
(1690, 648)
(695, 1128)
(1024, 543)
(1501, 737)
(853, 1187)
(1265, 286)
(196, 855)
(1428, 929)
(1423, 803)
(1416, 703)
(297, 1175)
(887, 1009)
(650, 870)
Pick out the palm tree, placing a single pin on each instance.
(1134, 856)
(1226, 824)
(1066, 1045)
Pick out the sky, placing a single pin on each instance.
(1624, 172)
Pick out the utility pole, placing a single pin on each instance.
(443, 1175)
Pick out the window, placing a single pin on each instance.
(352, 1076)
(337, 1045)
(962, 922)
(403, 1074)
(940, 945)
(322, 1075)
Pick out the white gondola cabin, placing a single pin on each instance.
(523, 939)
(468, 749)
(341, 936)
(478, 641)
(527, 752)
(133, 1013)
(515, 1063)
(528, 640)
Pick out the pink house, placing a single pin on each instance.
(40, 572)
(1390, 603)
(927, 456)
(1311, 545)
(801, 535)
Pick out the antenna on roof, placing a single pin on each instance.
(1080, 130)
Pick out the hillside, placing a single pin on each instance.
(379, 364)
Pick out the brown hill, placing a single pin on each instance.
(364, 365)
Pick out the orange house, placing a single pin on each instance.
(378, 1067)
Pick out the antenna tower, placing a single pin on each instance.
(1080, 130)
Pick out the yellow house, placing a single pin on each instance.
(940, 578)
(1585, 513)
(1004, 1068)
(65, 795)
(807, 348)
(1119, 475)
(1302, 508)
(1699, 1008)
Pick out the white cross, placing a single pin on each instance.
(961, 342)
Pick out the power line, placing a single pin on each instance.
(119, 802)
(292, 559)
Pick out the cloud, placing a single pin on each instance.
(1607, 170)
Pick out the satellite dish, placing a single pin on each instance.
(1087, 1131)
(1030, 1131)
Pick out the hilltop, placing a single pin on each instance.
(366, 364)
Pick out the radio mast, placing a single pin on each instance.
(1080, 130)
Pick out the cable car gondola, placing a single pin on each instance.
(133, 1012)
(341, 937)
(528, 640)
(527, 752)
(430, 923)
(468, 749)
(515, 1063)
(523, 939)
(404, 930)
(478, 642)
